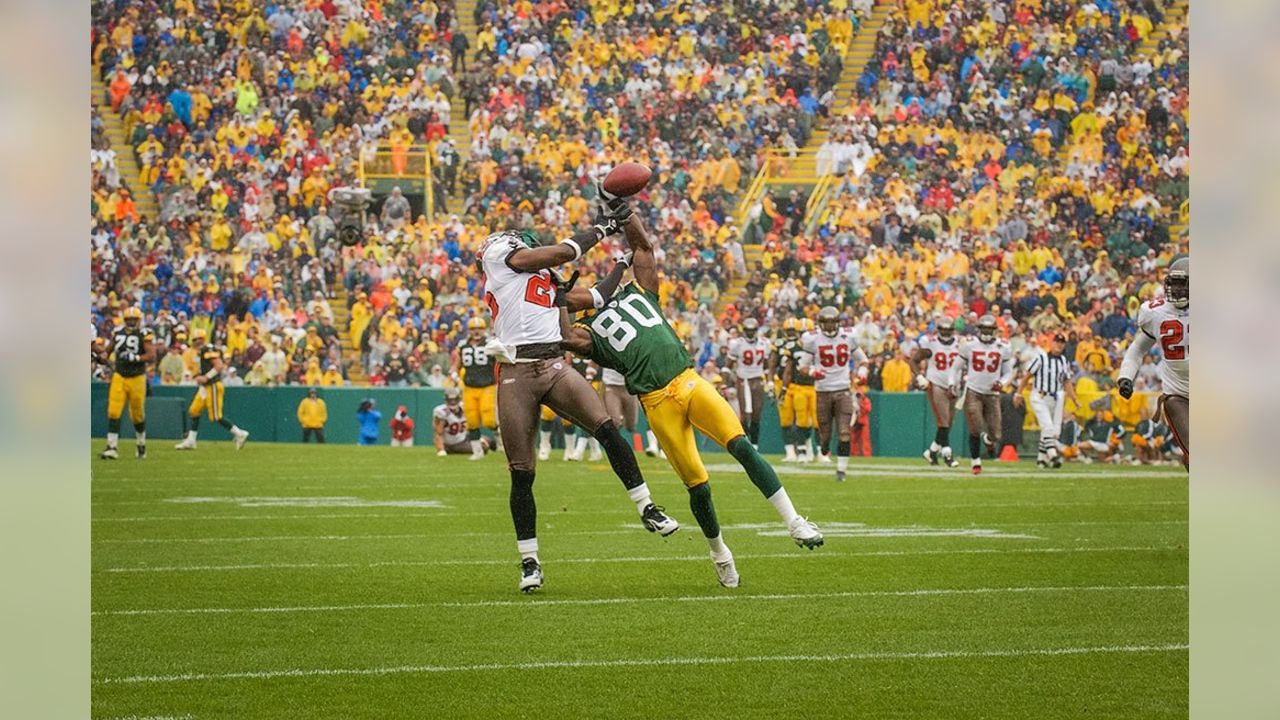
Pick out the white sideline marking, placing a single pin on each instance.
(300, 501)
(642, 662)
(848, 529)
(318, 516)
(928, 472)
(154, 717)
(672, 558)
(262, 538)
(628, 600)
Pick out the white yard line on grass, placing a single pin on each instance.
(153, 717)
(927, 472)
(935, 592)
(672, 558)
(646, 662)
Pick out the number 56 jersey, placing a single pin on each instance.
(630, 335)
(830, 356)
(1171, 328)
(521, 303)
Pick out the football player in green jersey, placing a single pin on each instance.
(133, 347)
(210, 394)
(628, 333)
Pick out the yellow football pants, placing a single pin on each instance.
(481, 406)
(208, 397)
(799, 407)
(689, 402)
(131, 391)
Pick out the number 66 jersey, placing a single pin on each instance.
(1161, 322)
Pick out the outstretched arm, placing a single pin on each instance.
(643, 264)
(541, 258)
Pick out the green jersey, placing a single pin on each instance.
(130, 344)
(208, 354)
(1103, 431)
(479, 366)
(630, 335)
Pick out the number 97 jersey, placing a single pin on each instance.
(749, 356)
(830, 358)
(1170, 327)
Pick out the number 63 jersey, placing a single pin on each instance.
(1161, 322)
(630, 335)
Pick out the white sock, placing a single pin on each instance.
(528, 548)
(140, 437)
(191, 435)
(112, 439)
(595, 447)
(477, 448)
(718, 548)
(977, 462)
(842, 463)
(808, 448)
(545, 441)
(934, 446)
(640, 496)
(235, 430)
(653, 439)
(782, 503)
(946, 452)
(790, 450)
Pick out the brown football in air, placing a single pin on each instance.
(627, 179)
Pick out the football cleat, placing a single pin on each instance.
(595, 455)
(655, 519)
(950, 461)
(726, 571)
(840, 474)
(530, 575)
(187, 444)
(544, 453)
(824, 458)
(473, 456)
(1042, 464)
(805, 533)
(240, 436)
(651, 451)
(109, 454)
(1057, 462)
(142, 452)
(976, 466)
(931, 456)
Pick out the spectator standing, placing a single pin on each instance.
(369, 418)
(312, 415)
(402, 428)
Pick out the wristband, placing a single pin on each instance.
(577, 249)
(597, 301)
(586, 239)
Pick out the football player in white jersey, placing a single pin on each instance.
(829, 353)
(521, 294)
(988, 363)
(1168, 321)
(938, 353)
(748, 356)
(450, 431)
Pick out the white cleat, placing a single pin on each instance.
(109, 454)
(530, 575)
(476, 456)
(726, 571)
(824, 459)
(651, 451)
(185, 445)
(544, 453)
(805, 533)
(595, 456)
(241, 436)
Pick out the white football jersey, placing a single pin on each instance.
(455, 423)
(831, 356)
(938, 366)
(1171, 328)
(613, 377)
(750, 357)
(988, 365)
(522, 304)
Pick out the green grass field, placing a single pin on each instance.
(304, 582)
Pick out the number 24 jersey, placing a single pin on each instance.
(521, 303)
(1171, 328)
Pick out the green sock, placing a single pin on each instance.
(704, 511)
(760, 472)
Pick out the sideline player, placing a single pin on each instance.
(133, 347)
(938, 352)
(209, 395)
(630, 335)
(450, 428)
(748, 356)
(986, 366)
(526, 339)
(1169, 321)
(625, 410)
(480, 388)
(829, 353)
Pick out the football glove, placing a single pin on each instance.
(1125, 387)
(563, 287)
(613, 206)
(922, 382)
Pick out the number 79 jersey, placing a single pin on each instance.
(631, 336)
(521, 303)
(830, 358)
(1171, 328)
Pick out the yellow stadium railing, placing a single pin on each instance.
(411, 163)
(752, 195)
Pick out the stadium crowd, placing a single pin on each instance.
(1020, 158)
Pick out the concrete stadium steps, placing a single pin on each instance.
(459, 123)
(350, 351)
(860, 52)
(1175, 13)
(126, 160)
(751, 254)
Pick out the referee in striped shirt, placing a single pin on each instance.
(1049, 377)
